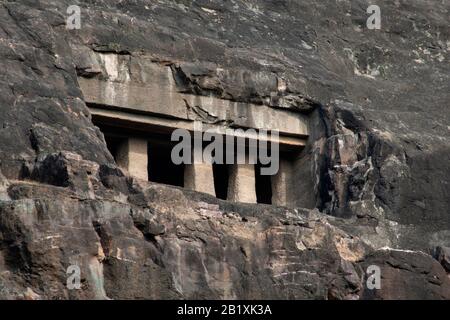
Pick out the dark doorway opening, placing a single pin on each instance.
(221, 176)
(161, 169)
(113, 144)
(263, 186)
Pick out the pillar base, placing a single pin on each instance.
(241, 183)
(281, 183)
(132, 156)
(199, 177)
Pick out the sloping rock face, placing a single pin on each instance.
(373, 180)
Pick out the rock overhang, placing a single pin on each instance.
(148, 92)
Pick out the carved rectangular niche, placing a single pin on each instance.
(144, 151)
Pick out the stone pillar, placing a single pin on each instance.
(282, 184)
(199, 177)
(132, 156)
(241, 183)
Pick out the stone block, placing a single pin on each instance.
(132, 156)
(282, 183)
(199, 177)
(241, 183)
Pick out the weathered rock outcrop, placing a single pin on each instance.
(373, 179)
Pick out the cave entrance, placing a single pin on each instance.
(146, 155)
(113, 144)
(263, 186)
(160, 167)
(221, 178)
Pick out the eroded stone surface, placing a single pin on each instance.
(155, 91)
(282, 183)
(379, 135)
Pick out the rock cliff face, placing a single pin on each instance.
(372, 182)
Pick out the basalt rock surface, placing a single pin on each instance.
(373, 178)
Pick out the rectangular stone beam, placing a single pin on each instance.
(132, 156)
(199, 177)
(155, 92)
(148, 123)
(170, 103)
(241, 183)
